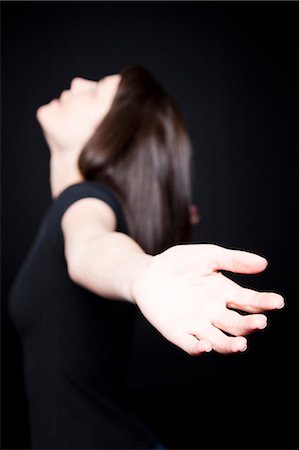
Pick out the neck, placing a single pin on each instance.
(64, 172)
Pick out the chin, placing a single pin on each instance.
(44, 114)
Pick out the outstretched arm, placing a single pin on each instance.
(180, 291)
(100, 259)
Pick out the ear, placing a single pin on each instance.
(194, 214)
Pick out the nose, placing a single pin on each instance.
(78, 84)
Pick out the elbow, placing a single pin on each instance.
(74, 266)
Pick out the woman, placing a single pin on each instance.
(108, 244)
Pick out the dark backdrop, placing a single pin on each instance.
(233, 69)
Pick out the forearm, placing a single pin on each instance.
(108, 265)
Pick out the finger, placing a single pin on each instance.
(237, 261)
(222, 343)
(238, 325)
(253, 301)
(191, 344)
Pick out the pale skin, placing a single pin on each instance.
(180, 291)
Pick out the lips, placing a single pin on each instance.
(64, 95)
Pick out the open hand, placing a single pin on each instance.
(184, 295)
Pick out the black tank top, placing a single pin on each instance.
(75, 344)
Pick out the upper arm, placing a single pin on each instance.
(85, 220)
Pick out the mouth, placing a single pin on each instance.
(64, 95)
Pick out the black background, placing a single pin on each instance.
(232, 66)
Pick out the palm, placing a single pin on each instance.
(188, 300)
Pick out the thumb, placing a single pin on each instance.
(237, 261)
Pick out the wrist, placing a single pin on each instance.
(137, 271)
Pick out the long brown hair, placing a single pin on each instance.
(141, 150)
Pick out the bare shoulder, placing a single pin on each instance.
(87, 219)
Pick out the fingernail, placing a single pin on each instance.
(281, 306)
